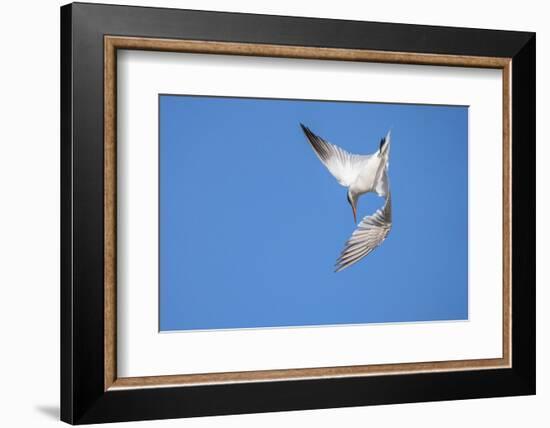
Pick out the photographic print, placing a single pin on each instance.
(287, 213)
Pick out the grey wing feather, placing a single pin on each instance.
(370, 233)
(344, 166)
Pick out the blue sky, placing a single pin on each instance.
(251, 222)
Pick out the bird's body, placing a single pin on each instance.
(370, 177)
(360, 174)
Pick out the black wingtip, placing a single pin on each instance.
(310, 135)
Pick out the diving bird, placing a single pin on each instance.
(360, 174)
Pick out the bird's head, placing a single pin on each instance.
(352, 199)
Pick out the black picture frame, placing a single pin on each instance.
(83, 398)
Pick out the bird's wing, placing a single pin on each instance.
(382, 184)
(344, 166)
(370, 233)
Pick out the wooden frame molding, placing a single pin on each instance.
(113, 43)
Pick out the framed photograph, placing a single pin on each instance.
(266, 213)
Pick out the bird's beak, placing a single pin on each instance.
(354, 212)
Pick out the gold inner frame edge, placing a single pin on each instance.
(113, 43)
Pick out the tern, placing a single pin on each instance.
(360, 174)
